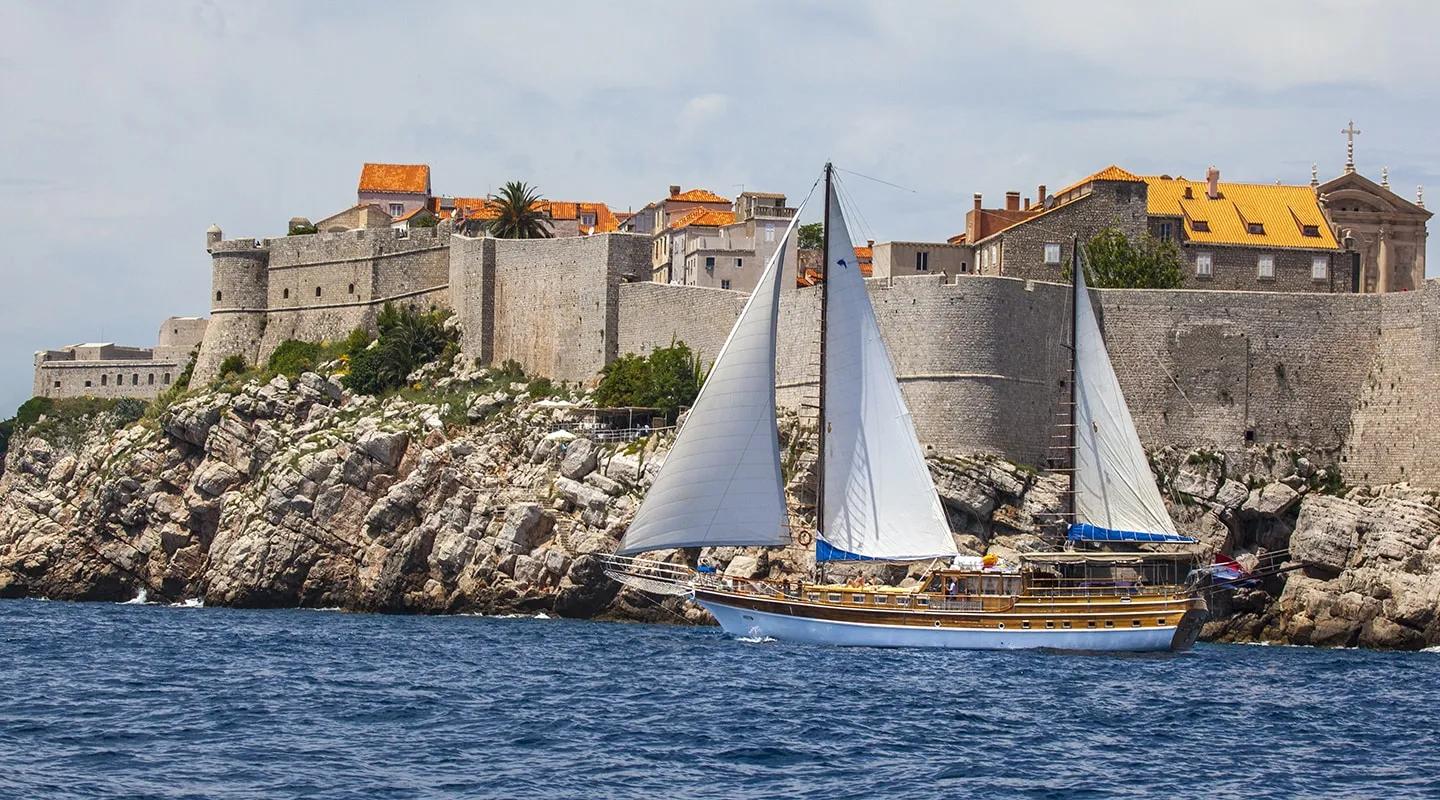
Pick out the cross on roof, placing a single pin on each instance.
(1350, 134)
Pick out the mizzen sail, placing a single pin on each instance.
(1115, 494)
(879, 500)
(721, 483)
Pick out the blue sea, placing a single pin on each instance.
(138, 701)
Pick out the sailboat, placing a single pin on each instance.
(722, 485)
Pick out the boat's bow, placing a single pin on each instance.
(648, 575)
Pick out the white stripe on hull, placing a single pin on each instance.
(751, 623)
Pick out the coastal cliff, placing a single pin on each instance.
(300, 493)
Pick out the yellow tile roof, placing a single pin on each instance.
(703, 217)
(699, 196)
(1282, 213)
(413, 178)
(1110, 173)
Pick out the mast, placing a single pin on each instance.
(1074, 371)
(825, 276)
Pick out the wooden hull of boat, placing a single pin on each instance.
(752, 617)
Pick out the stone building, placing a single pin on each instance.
(703, 244)
(1381, 231)
(397, 189)
(897, 259)
(1256, 237)
(364, 215)
(103, 369)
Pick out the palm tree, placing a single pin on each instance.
(517, 213)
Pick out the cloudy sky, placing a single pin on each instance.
(128, 128)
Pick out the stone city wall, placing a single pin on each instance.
(109, 379)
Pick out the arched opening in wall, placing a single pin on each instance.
(166, 379)
(217, 297)
(317, 291)
(352, 288)
(104, 381)
(135, 379)
(285, 294)
(152, 379)
(119, 380)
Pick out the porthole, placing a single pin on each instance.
(1109, 623)
(1159, 622)
(857, 598)
(1025, 624)
(814, 597)
(1090, 624)
(881, 599)
(1065, 624)
(1134, 623)
(1002, 626)
(1049, 623)
(834, 598)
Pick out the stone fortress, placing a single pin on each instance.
(982, 357)
(104, 369)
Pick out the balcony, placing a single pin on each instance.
(772, 212)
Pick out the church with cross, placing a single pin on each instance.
(1382, 233)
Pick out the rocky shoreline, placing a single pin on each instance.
(301, 494)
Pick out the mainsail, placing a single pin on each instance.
(721, 483)
(1115, 494)
(879, 500)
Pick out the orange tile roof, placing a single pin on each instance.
(699, 196)
(404, 217)
(412, 178)
(1110, 173)
(1282, 213)
(703, 217)
(605, 221)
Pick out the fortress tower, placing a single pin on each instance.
(239, 287)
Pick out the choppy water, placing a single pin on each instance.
(100, 700)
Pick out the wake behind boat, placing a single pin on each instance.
(722, 485)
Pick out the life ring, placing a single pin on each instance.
(803, 538)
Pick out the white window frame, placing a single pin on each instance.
(1052, 253)
(739, 262)
(1265, 267)
(769, 231)
(1204, 265)
(709, 263)
(725, 283)
(922, 261)
(397, 209)
(1320, 267)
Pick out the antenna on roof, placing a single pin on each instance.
(1049, 202)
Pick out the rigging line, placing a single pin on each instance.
(852, 209)
(877, 180)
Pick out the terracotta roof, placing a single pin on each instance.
(865, 257)
(699, 196)
(404, 217)
(1250, 214)
(959, 238)
(605, 221)
(412, 178)
(703, 217)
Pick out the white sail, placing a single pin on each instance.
(879, 500)
(721, 483)
(1114, 488)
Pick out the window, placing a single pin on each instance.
(217, 297)
(57, 384)
(1164, 230)
(833, 598)
(119, 380)
(1266, 268)
(1199, 225)
(87, 384)
(396, 209)
(922, 261)
(1052, 254)
(135, 379)
(104, 380)
(285, 294)
(1255, 227)
(166, 379)
(1319, 268)
(1202, 265)
(739, 263)
(724, 284)
(857, 598)
(317, 291)
(964, 266)
(1310, 230)
(709, 262)
(352, 288)
(151, 382)
(881, 600)
(769, 231)
(588, 220)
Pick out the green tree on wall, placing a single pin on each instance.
(812, 236)
(1112, 261)
(668, 379)
(517, 213)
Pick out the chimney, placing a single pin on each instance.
(1040, 196)
(1189, 193)
(1027, 204)
(1212, 177)
(977, 201)
(869, 242)
(674, 190)
(1012, 201)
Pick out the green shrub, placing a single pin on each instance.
(668, 379)
(301, 230)
(293, 357)
(232, 365)
(358, 340)
(425, 221)
(408, 340)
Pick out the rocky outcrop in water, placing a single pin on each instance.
(300, 494)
